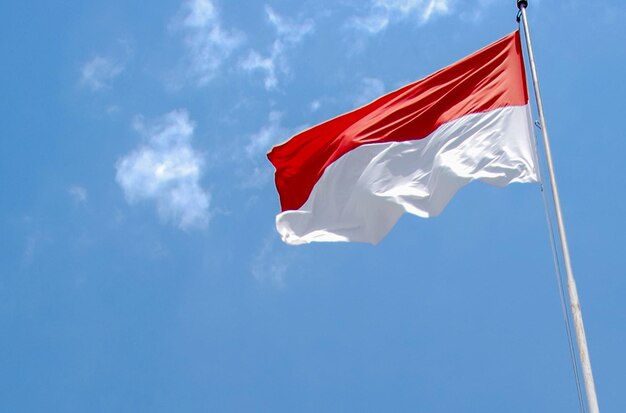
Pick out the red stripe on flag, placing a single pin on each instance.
(490, 78)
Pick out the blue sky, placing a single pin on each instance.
(139, 265)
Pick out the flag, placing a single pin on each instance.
(352, 177)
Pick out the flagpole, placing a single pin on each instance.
(583, 351)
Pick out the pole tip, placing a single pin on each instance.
(522, 3)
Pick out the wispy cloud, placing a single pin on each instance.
(166, 169)
(315, 105)
(381, 13)
(371, 88)
(269, 134)
(288, 34)
(254, 61)
(35, 244)
(259, 143)
(271, 264)
(99, 72)
(77, 193)
(479, 10)
(208, 44)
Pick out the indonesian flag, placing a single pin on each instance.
(352, 177)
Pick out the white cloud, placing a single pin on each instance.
(254, 61)
(372, 23)
(371, 88)
(208, 45)
(288, 34)
(167, 170)
(259, 143)
(78, 194)
(289, 31)
(381, 13)
(269, 134)
(260, 175)
(99, 72)
(433, 8)
(269, 265)
(476, 13)
(36, 241)
(315, 105)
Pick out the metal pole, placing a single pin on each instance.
(590, 389)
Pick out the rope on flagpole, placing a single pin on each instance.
(557, 266)
(561, 287)
(559, 274)
(592, 400)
